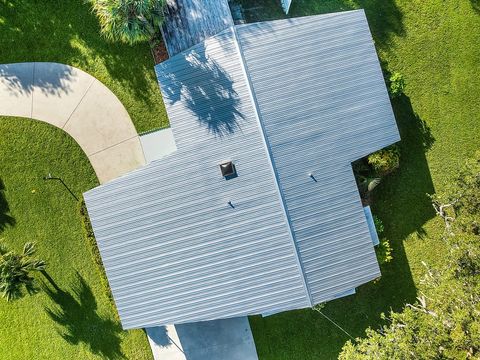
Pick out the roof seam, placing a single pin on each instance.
(272, 163)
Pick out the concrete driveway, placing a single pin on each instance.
(228, 339)
(79, 104)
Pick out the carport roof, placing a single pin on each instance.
(182, 244)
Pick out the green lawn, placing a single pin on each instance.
(77, 321)
(434, 44)
(67, 32)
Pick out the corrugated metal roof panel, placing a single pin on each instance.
(323, 104)
(189, 22)
(173, 249)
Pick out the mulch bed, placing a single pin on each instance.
(159, 52)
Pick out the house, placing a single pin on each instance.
(257, 211)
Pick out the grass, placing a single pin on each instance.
(434, 44)
(72, 317)
(67, 32)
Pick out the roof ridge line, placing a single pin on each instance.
(257, 112)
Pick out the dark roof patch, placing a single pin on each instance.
(189, 22)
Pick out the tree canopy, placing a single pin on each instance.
(444, 322)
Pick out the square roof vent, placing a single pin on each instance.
(228, 170)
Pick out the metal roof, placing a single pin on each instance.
(173, 248)
(323, 104)
(189, 22)
(281, 109)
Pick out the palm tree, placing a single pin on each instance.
(129, 21)
(15, 271)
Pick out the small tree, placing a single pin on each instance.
(16, 269)
(129, 21)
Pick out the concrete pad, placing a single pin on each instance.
(16, 85)
(227, 339)
(118, 160)
(100, 120)
(158, 144)
(57, 91)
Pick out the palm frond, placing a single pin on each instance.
(15, 272)
(29, 249)
(373, 183)
(3, 248)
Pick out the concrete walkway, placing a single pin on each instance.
(227, 339)
(79, 104)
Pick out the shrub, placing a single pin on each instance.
(396, 86)
(378, 225)
(129, 21)
(386, 160)
(384, 250)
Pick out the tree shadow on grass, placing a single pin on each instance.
(6, 219)
(68, 32)
(384, 16)
(78, 321)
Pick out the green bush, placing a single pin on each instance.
(385, 161)
(129, 21)
(378, 225)
(384, 250)
(396, 86)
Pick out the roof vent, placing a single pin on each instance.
(228, 170)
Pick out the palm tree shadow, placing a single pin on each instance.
(78, 321)
(5, 217)
(211, 97)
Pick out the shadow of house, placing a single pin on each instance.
(401, 202)
(78, 321)
(211, 97)
(6, 219)
(412, 182)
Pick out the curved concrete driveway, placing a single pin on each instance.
(81, 105)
